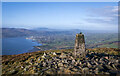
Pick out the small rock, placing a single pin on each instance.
(44, 64)
(85, 70)
(61, 68)
(38, 59)
(114, 66)
(97, 59)
(54, 53)
(60, 64)
(62, 55)
(106, 57)
(96, 70)
(89, 65)
(74, 69)
(117, 61)
(44, 54)
(65, 65)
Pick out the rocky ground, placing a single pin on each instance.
(97, 61)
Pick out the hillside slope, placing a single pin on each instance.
(97, 61)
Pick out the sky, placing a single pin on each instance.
(61, 15)
(59, 0)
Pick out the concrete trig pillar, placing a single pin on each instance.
(79, 49)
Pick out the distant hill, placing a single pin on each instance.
(41, 29)
(55, 30)
(16, 32)
(73, 30)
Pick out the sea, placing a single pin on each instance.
(18, 45)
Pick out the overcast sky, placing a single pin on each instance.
(61, 15)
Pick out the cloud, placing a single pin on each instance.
(107, 14)
(115, 9)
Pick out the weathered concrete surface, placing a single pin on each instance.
(79, 49)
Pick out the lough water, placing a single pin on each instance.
(18, 45)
